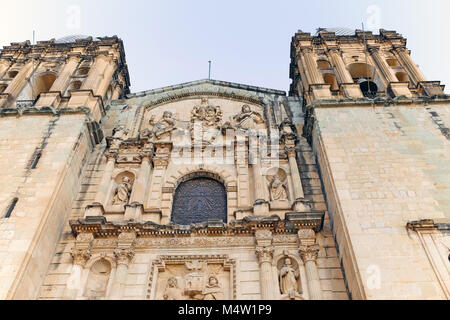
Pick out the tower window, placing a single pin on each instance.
(2, 88)
(11, 208)
(12, 74)
(331, 79)
(392, 62)
(83, 71)
(76, 85)
(323, 64)
(402, 76)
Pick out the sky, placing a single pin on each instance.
(169, 42)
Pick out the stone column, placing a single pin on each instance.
(95, 74)
(124, 254)
(18, 83)
(295, 174)
(140, 187)
(309, 251)
(350, 88)
(106, 79)
(81, 253)
(415, 73)
(261, 206)
(61, 83)
(382, 65)
(264, 252)
(160, 161)
(139, 192)
(343, 74)
(315, 77)
(103, 188)
(3, 67)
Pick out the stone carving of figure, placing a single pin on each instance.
(288, 278)
(206, 123)
(119, 134)
(278, 190)
(172, 292)
(123, 192)
(248, 119)
(165, 125)
(212, 290)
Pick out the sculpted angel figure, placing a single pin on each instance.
(288, 278)
(278, 190)
(123, 192)
(212, 290)
(172, 291)
(160, 128)
(248, 119)
(119, 134)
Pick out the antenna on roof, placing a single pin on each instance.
(209, 74)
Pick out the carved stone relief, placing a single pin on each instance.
(206, 123)
(194, 278)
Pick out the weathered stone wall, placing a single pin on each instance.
(29, 236)
(383, 167)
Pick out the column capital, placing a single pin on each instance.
(309, 252)
(265, 254)
(124, 256)
(110, 155)
(308, 49)
(81, 252)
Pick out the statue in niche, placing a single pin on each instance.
(289, 279)
(248, 119)
(123, 192)
(98, 279)
(165, 126)
(212, 290)
(278, 191)
(173, 292)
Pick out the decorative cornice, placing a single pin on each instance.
(428, 225)
(101, 228)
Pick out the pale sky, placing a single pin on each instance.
(170, 42)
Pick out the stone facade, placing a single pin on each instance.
(211, 190)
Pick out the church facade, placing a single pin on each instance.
(211, 190)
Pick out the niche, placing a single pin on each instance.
(97, 281)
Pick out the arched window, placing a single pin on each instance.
(402, 76)
(3, 87)
(323, 64)
(364, 74)
(76, 85)
(199, 200)
(83, 71)
(331, 79)
(392, 62)
(36, 86)
(12, 74)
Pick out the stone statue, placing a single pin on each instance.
(278, 190)
(123, 192)
(119, 134)
(248, 119)
(172, 292)
(212, 290)
(288, 278)
(164, 126)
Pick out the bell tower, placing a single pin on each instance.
(338, 64)
(70, 72)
